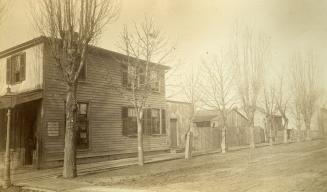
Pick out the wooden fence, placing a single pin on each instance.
(209, 138)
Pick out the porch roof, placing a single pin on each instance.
(24, 97)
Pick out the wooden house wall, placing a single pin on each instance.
(182, 113)
(34, 71)
(105, 109)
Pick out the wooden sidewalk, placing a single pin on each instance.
(51, 179)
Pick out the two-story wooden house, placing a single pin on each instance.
(107, 122)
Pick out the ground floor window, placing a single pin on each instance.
(82, 132)
(83, 126)
(153, 121)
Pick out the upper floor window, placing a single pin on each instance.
(16, 68)
(135, 78)
(154, 78)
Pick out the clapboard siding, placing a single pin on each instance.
(105, 105)
(34, 71)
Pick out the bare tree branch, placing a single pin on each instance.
(218, 92)
(304, 72)
(70, 27)
(250, 53)
(146, 48)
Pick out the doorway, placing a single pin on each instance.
(24, 131)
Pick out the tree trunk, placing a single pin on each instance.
(252, 144)
(285, 130)
(140, 142)
(188, 145)
(285, 136)
(307, 128)
(251, 129)
(270, 131)
(308, 135)
(223, 139)
(70, 170)
(298, 138)
(270, 136)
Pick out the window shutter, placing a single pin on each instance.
(148, 130)
(9, 71)
(125, 120)
(163, 121)
(22, 66)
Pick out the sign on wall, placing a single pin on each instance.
(53, 129)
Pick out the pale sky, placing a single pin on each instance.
(202, 26)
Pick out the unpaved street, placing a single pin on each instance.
(282, 168)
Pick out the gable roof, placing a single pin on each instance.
(205, 115)
(42, 39)
(22, 46)
(208, 115)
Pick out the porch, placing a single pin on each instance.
(24, 113)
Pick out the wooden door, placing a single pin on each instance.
(173, 132)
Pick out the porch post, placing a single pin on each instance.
(7, 181)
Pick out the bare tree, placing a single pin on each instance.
(282, 104)
(146, 48)
(296, 113)
(191, 90)
(249, 56)
(218, 94)
(71, 26)
(270, 103)
(304, 73)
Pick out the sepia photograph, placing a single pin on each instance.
(163, 96)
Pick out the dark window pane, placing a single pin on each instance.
(163, 121)
(83, 126)
(155, 116)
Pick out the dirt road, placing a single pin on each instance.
(281, 168)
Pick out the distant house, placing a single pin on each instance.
(179, 122)
(207, 132)
(106, 120)
(261, 122)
